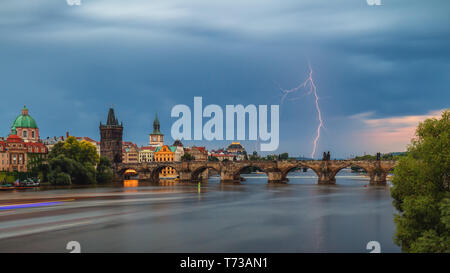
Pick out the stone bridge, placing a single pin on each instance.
(326, 170)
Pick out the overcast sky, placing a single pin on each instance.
(379, 70)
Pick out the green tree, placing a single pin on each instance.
(254, 156)
(213, 158)
(187, 157)
(77, 159)
(421, 186)
(59, 167)
(37, 166)
(104, 171)
(79, 173)
(80, 151)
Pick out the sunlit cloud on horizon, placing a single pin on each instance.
(390, 133)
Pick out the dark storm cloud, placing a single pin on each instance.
(68, 64)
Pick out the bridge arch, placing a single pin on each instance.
(351, 164)
(237, 173)
(298, 165)
(126, 170)
(339, 168)
(196, 172)
(154, 172)
(301, 165)
(129, 174)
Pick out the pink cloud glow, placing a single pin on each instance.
(391, 134)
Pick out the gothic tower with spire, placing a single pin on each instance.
(111, 138)
(156, 137)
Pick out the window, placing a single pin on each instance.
(32, 134)
(24, 133)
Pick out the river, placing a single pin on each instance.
(253, 216)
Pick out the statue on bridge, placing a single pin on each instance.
(326, 156)
(378, 156)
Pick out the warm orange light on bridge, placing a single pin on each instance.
(130, 171)
(130, 183)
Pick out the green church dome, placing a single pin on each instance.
(24, 120)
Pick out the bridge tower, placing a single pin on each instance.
(111, 138)
(156, 137)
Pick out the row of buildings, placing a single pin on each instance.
(157, 150)
(24, 143)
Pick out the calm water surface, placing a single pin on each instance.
(253, 216)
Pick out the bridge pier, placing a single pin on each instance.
(117, 178)
(326, 179)
(377, 178)
(276, 177)
(144, 176)
(185, 176)
(325, 175)
(227, 177)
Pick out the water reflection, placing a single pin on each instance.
(130, 183)
(253, 215)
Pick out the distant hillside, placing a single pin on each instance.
(303, 158)
(398, 153)
(386, 156)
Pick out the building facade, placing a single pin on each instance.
(198, 153)
(50, 142)
(236, 148)
(166, 153)
(22, 145)
(234, 152)
(221, 156)
(111, 138)
(179, 150)
(130, 152)
(147, 154)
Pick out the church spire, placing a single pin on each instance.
(112, 121)
(156, 137)
(156, 125)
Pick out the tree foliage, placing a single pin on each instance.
(77, 162)
(421, 185)
(283, 156)
(104, 171)
(388, 156)
(187, 157)
(213, 158)
(79, 172)
(80, 151)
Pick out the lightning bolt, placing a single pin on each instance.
(310, 87)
